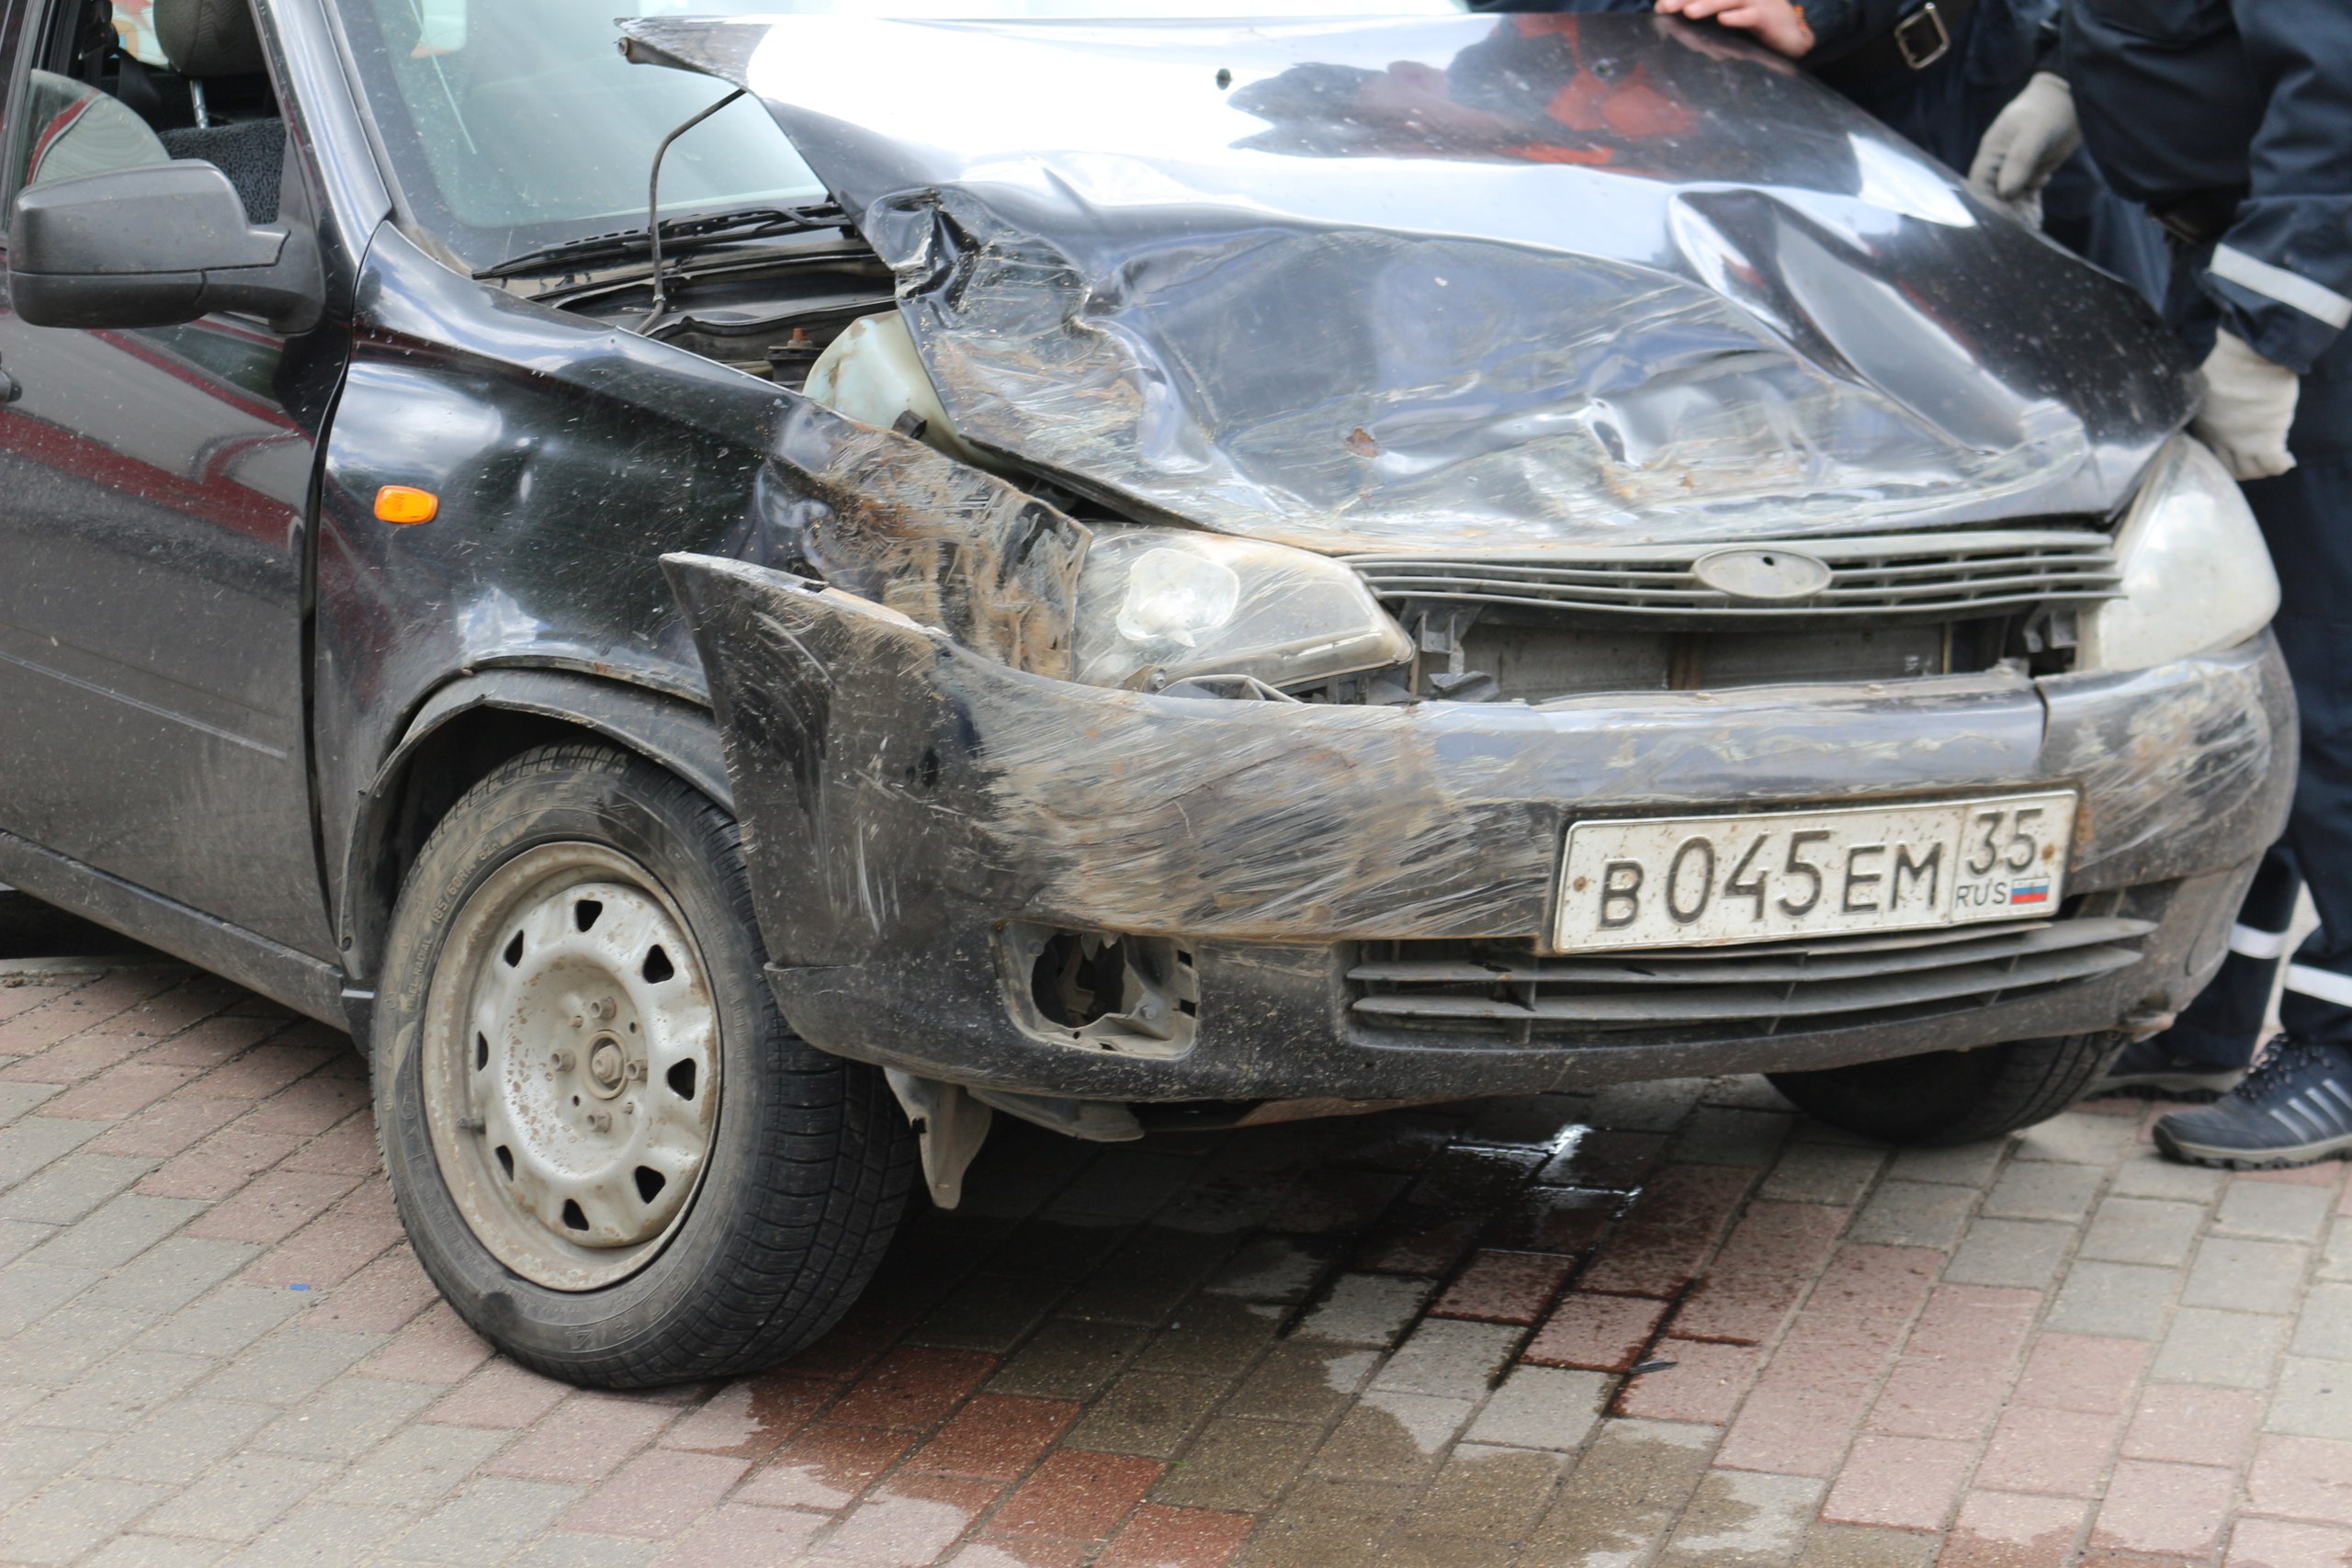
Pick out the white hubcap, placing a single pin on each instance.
(570, 1066)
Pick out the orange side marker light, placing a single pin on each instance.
(405, 504)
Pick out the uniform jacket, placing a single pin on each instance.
(2184, 98)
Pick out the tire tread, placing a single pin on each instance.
(834, 1159)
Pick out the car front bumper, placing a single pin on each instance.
(918, 819)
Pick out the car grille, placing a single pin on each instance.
(1752, 989)
(1928, 575)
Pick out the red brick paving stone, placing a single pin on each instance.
(913, 1387)
(851, 1345)
(1659, 1244)
(1026, 1552)
(1737, 1309)
(436, 1349)
(1601, 1334)
(350, 1150)
(1606, 1159)
(377, 1300)
(1926, 1396)
(119, 1092)
(20, 998)
(1906, 1483)
(335, 1246)
(584, 1439)
(259, 1073)
(219, 1166)
(312, 1106)
(1556, 1219)
(2053, 1452)
(2193, 1426)
(751, 1417)
(825, 1466)
(996, 1437)
(169, 1011)
(1764, 1266)
(1874, 1282)
(80, 1008)
(1813, 1395)
(1954, 1372)
(1504, 1287)
(913, 1519)
(1420, 1248)
(2000, 1529)
(734, 1534)
(213, 1041)
(77, 1059)
(2302, 1478)
(2274, 1543)
(656, 1495)
(1077, 1495)
(1163, 1536)
(164, 1130)
(501, 1395)
(2072, 1371)
(1706, 1383)
(272, 1206)
(1325, 1202)
(2173, 1508)
(1781, 1238)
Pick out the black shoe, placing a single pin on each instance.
(2148, 1070)
(2293, 1109)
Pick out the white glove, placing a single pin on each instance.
(2025, 145)
(2249, 407)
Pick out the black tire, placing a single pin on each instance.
(1954, 1096)
(808, 1164)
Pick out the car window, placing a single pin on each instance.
(515, 124)
(134, 31)
(101, 96)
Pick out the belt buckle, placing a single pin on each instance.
(1933, 39)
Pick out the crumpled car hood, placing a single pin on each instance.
(1520, 282)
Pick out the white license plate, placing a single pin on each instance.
(1705, 881)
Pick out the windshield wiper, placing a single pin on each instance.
(679, 236)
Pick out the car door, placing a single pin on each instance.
(153, 504)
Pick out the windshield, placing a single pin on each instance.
(512, 125)
(515, 124)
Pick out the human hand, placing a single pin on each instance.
(2249, 408)
(2025, 145)
(1779, 25)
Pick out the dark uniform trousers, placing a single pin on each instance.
(2306, 514)
(2232, 118)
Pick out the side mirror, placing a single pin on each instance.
(153, 247)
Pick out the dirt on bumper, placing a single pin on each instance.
(916, 815)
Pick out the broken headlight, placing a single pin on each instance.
(2196, 576)
(1159, 604)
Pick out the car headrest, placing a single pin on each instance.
(208, 37)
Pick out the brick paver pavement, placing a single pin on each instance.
(1668, 1323)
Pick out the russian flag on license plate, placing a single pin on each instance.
(2029, 893)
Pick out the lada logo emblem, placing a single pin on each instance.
(1767, 574)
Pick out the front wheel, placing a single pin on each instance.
(612, 1155)
(1954, 1096)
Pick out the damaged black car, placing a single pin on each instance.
(738, 605)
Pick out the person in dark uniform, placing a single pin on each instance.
(2231, 120)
